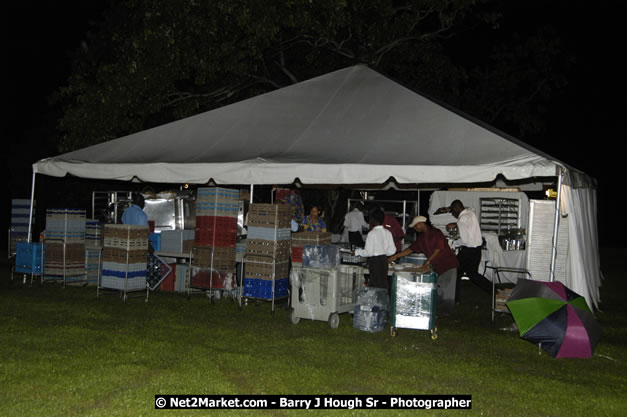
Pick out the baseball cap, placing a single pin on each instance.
(417, 219)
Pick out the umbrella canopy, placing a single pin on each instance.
(557, 318)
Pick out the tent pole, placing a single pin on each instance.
(252, 190)
(556, 222)
(30, 213)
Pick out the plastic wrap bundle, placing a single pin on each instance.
(414, 300)
(371, 307)
(300, 239)
(321, 256)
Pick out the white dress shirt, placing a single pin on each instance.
(378, 242)
(354, 221)
(469, 230)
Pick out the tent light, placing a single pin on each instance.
(551, 193)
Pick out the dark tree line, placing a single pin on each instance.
(149, 62)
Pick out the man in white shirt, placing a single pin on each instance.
(469, 244)
(354, 222)
(379, 245)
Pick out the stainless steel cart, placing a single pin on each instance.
(414, 302)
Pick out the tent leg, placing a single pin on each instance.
(30, 213)
(252, 190)
(556, 223)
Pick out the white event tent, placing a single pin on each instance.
(352, 126)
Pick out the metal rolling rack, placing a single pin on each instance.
(499, 214)
(267, 259)
(123, 292)
(271, 260)
(214, 273)
(109, 280)
(45, 276)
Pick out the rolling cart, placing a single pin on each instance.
(125, 258)
(414, 302)
(324, 294)
(210, 274)
(265, 279)
(62, 262)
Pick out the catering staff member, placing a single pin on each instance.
(469, 243)
(434, 245)
(134, 214)
(354, 223)
(313, 222)
(379, 245)
(390, 223)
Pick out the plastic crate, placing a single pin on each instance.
(261, 288)
(28, 258)
(155, 241)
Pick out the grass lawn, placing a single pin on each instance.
(64, 353)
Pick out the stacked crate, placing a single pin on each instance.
(302, 239)
(266, 271)
(125, 256)
(93, 250)
(215, 235)
(65, 226)
(18, 230)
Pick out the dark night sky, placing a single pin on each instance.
(582, 126)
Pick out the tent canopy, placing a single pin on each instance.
(352, 126)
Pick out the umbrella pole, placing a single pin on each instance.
(30, 213)
(556, 223)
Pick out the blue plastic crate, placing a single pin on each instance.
(261, 288)
(28, 257)
(155, 241)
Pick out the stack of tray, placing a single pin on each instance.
(217, 201)
(216, 231)
(124, 257)
(93, 234)
(18, 230)
(266, 270)
(65, 227)
(93, 264)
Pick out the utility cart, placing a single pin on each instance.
(324, 294)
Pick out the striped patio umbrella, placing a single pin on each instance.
(555, 317)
